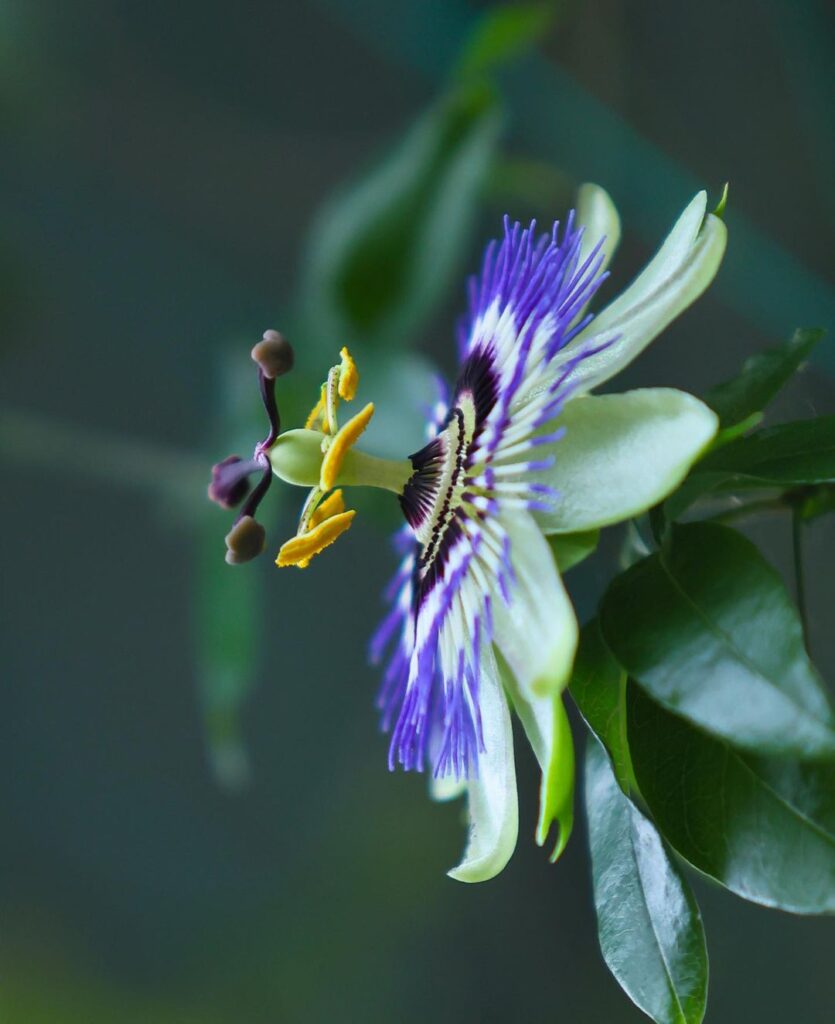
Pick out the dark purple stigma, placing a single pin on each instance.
(230, 484)
(230, 480)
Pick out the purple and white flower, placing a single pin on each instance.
(520, 451)
(521, 463)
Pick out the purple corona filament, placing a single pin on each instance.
(525, 307)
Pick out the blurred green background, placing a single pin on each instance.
(197, 820)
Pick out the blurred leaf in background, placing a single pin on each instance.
(384, 253)
(504, 33)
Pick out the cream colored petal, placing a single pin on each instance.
(537, 631)
(491, 797)
(678, 274)
(622, 454)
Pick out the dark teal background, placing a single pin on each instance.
(159, 167)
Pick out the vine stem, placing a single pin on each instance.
(799, 577)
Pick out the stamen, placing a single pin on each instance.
(299, 550)
(315, 413)
(340, 445)
(349, 377)
(331, 396)
(333, 505)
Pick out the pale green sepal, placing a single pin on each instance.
(722, 204)
(491, 797)
(569, 549)
(296, 457)
(557, 792)
(622, 454)
(681, 270)
(597, 215)
(548, 731)
(537, 631)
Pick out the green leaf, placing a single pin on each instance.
(763, 828)
(706, 626)
(226, 599)
(384, 253)
(761, 377)
(503, 34)
(818, 501)
(598, 687)
(786, 456)
(782, 456)
(226, 610)
(572, 548)
(648, 922)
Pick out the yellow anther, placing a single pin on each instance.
(333, 505)
(314, 414)
(349, 378)
(343, 440)
(299, 550)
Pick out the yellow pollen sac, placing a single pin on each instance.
(349, 376)
(333, 505)
(299, 550)
(343, 440)
(316, 412)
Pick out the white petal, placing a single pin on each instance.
(622, 454)
(681, 270)
(491, 798)
(537, 631)
(597, 214)
(446, 788)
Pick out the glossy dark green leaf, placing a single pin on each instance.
(503, 34)
(787, 455)
(648, 923)
(761, 377)
(383, 253)
(783, 457)
(598, 688)
(706, 626)
(572, 548)
(764, 828)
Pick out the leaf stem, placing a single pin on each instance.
(750, 508)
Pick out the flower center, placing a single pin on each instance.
(434, 494)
